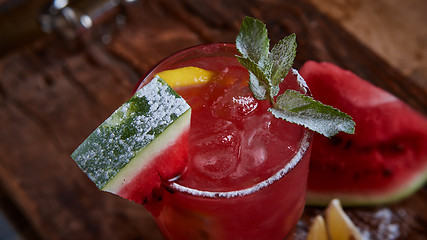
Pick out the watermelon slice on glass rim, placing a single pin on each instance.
(142, 142)
(384, 161)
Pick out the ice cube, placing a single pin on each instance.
(265, 146)
(236, 103)
(215, 152)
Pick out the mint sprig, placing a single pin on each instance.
(267, 69)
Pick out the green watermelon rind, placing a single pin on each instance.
(149, 113)
(142, 158)
(367, 199)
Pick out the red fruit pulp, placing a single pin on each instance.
(383, 161)
(161, 167)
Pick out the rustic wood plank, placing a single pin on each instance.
(53, 95)
(394, 31)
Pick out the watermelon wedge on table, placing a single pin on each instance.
(384, 161)
(141, 143)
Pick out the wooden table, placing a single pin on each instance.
(53, 93)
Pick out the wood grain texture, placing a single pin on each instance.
(392, 29)
(53, 94)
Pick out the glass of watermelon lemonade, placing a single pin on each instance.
(247, 170)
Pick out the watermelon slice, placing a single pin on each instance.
(384, 161)
(141, 143)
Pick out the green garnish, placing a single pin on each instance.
(267, 69)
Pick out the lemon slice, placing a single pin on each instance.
(339, 225)
(186, 76)
(318, 229)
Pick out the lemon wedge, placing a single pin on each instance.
(186, 76)
(339, 225)
(318, 229)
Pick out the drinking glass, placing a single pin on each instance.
(268, 208)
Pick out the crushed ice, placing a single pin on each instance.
(382, 225)
(386, 229)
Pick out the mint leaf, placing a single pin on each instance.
(295, 107)
(281, 57)
(259, 82)
(255, 69)
(252, 41)
(258, 88)
(268, 69)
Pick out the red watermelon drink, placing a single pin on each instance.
(247, 171)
